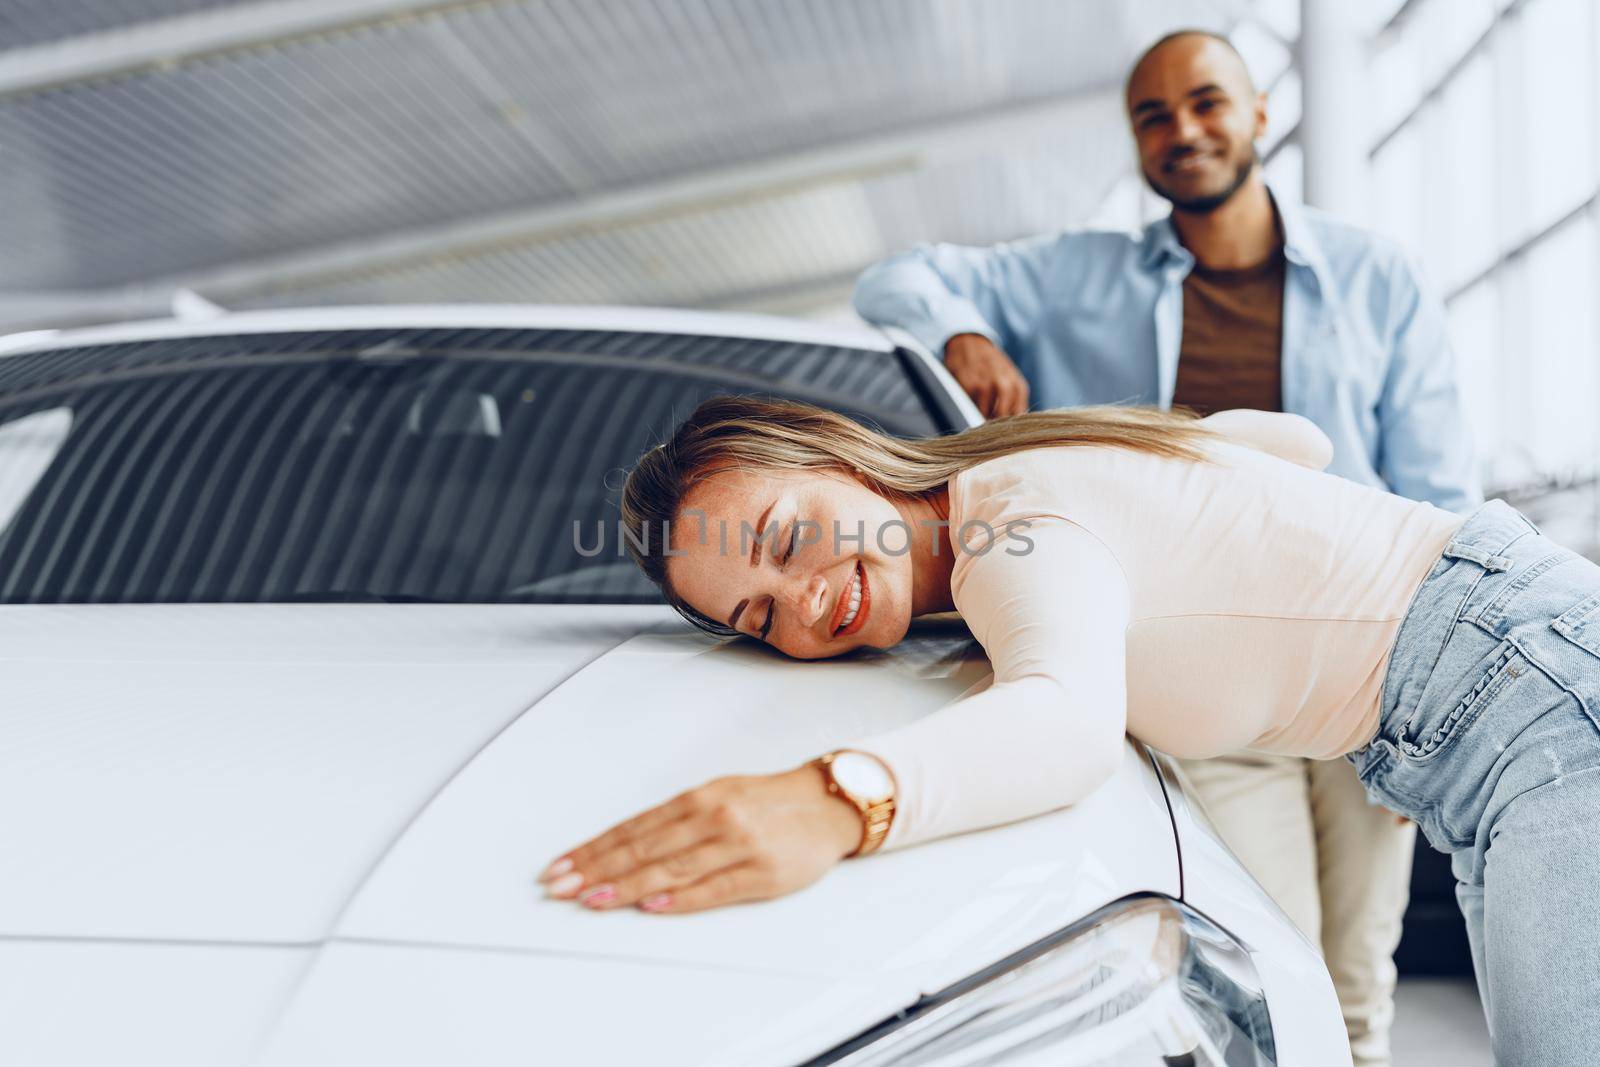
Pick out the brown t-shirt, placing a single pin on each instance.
(1231, 353)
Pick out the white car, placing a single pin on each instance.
(311, 665)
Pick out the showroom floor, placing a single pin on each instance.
(1439, 1023)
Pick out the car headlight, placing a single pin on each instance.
(1144, 980)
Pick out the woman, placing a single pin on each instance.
(1199, 584)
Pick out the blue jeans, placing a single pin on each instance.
(1489, 737)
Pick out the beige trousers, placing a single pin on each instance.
(1339, 866)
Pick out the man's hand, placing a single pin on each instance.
(987, 374)
(730, 840)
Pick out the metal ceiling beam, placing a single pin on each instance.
(170, 42)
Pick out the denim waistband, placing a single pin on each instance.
(1482, 545)
(1488, 534)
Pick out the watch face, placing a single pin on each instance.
(862, 776)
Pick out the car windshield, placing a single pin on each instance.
(385, 465)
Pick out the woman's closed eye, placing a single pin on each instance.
(788, 554)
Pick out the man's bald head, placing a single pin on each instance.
(1195, 115)
(1185, 45)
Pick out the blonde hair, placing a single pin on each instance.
(784, 435)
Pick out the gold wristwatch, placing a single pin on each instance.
(865, 782)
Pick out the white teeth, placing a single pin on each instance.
(855, 601)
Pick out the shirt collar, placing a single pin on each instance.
(1299, 245)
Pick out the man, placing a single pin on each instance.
(1239, 299)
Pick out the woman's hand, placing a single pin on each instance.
(730, 840)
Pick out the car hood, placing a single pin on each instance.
(344, 807)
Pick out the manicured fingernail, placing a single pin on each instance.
(565, 886)
(600, 894)
(655, 901)
(557, 869)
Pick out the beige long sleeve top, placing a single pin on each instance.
(1203, 607)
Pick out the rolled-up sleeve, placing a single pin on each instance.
(936, 291)
(1049, 729)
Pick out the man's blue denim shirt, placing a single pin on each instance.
(1097, 318)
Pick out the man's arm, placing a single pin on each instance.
(965, 305)
(1425, 450)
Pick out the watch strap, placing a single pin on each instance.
(876, 817)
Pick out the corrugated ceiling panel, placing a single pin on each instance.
(1038, 188)
(681, 259)
(471, 110)
(739, 253)
(659, 87)
(258, 153)
(339, 138)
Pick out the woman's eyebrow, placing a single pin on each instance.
(761, 525)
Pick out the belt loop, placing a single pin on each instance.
(1489, 561)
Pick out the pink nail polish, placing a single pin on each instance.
(600, 894)
(655, 901)
(557, 869)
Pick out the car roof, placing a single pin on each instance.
(470, 316)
